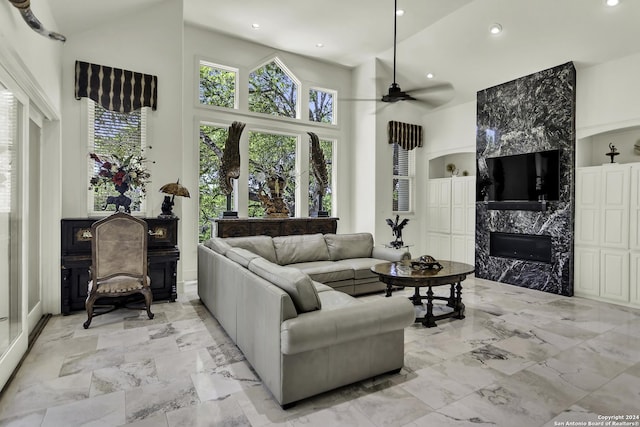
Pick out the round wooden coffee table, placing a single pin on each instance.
(400, 274)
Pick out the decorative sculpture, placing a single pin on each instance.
(174, 189)
(274, 205)
(612, 152)
(396, 229)
(24, 6)
(120, 201)
(319, 169)
(230, 164)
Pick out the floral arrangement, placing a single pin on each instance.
(123, 173)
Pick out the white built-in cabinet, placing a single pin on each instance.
(451, 218)
(607, 236)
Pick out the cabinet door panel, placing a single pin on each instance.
(614, 275)
(634, 279)
(459, 248)
(463, 205)
(438, 246)
(471, 207)
(634, 209)
(588, 205)
(439, 209)
(615, 206)
(586, 277)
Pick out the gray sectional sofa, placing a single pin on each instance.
(303, 336)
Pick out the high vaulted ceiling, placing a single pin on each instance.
(448, 38)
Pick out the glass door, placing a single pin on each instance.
(33, 261)
(13, 339)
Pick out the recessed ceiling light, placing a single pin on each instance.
(319, 45)
(612, 2)
(400, 12)
(430, 75)
(495, 29)
(255, 26)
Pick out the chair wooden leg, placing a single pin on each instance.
(89, 306)
(148, 299)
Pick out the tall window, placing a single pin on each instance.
(117, 135)
(217, 85)
(10, 219)
(327, 150)
(402, 179)
(212, 199)
(273, 90)
(272, 162)
(321, 106)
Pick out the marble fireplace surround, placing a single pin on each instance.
(529, 114)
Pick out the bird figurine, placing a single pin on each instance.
(396, 229)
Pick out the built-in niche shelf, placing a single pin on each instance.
(592, 150)
(464, 162)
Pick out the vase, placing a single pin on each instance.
(120, 201)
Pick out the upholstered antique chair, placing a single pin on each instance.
(119, 261)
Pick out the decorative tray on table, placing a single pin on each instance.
(426, 262)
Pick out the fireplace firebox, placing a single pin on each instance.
(526, 247)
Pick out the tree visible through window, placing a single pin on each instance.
(327, 149)
(217, 85)
(271, 155)
(212, 200)
(321, 106)
(115, 134)
(272, 90)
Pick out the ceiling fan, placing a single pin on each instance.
(396, 93)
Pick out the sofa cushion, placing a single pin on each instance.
(300, 248)
(321, 287)
(361, 266)
(333, 299)
(344, 246)
(261, 245)
(325, 271)
(241, 256)
(218, 245)
(294, 282)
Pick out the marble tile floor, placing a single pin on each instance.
(520, 358)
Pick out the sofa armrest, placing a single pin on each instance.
(324, 328)
(390, 254)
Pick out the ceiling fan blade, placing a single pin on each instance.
(442, 87)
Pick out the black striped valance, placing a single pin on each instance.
(116, 89)
(404, 134)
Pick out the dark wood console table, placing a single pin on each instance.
(162, 252)
(241, 227)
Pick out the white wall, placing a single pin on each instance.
(607, 96)
(149, 42)
(201, 44)
(38, 56)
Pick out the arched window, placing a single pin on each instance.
(273, 90)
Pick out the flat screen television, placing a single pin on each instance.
(524, 177)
